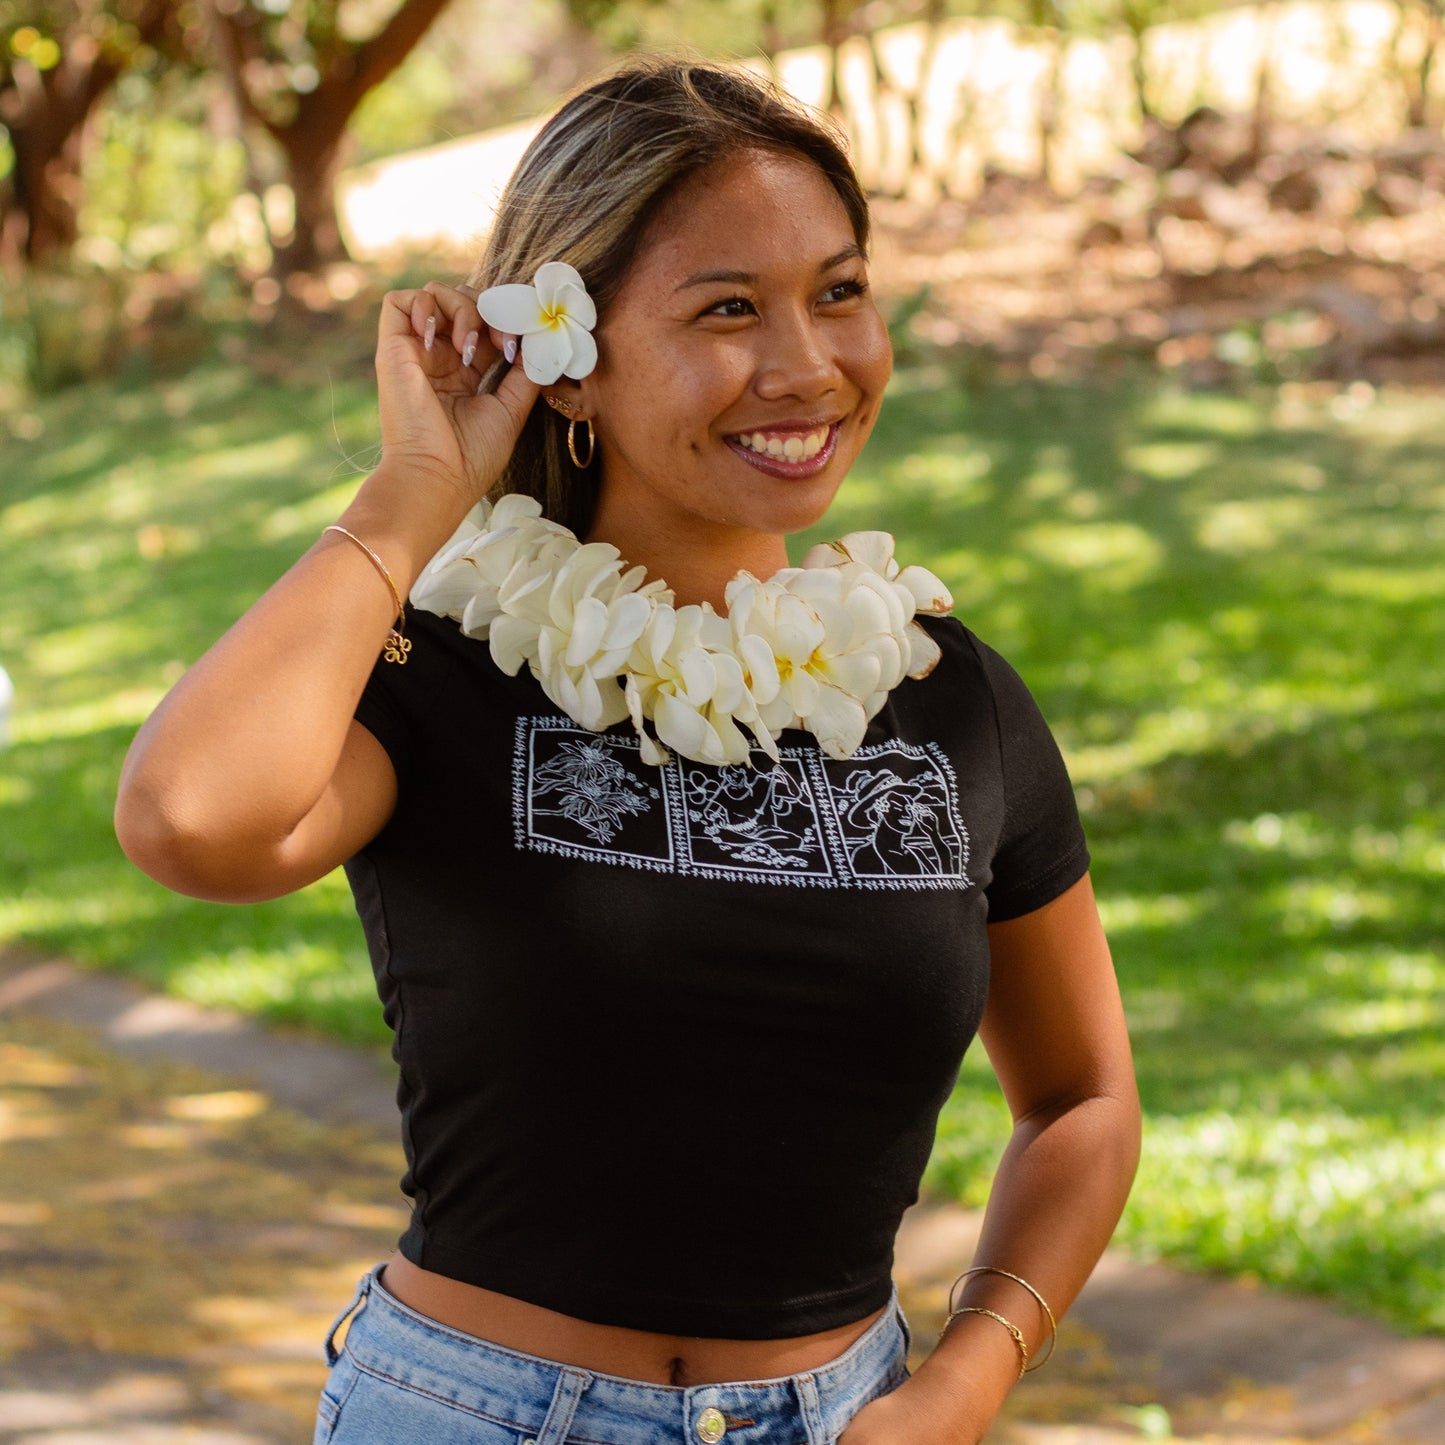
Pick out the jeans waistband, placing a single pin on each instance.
(394, 1342)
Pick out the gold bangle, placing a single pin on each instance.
(1013, 1329)
(1042, 1303)
(397, 646)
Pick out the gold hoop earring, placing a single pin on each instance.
(558, 403)
(581, 462)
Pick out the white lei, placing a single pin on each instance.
(817, 647)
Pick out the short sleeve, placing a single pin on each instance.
(1041, 850)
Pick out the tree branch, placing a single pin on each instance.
(229, 40)
(370, 62)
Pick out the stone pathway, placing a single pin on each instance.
(187, 1199)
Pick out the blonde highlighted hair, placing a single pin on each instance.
(592, 180)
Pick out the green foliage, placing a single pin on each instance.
(160, 187)
(416, 106)
(1229, 606)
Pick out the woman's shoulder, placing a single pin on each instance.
(962, 649)
(970, 669)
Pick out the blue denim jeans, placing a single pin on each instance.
(403, 1379)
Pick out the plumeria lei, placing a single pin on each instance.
(554, 317)
(817, 647)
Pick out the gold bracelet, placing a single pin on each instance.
(1013, 1329)
(397, 646)
(1042, 1303)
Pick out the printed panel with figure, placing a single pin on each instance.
(888, 817)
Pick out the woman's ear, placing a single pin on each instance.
(568, 397)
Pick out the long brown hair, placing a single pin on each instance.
(594, 177)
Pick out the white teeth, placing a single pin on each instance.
(791, 448)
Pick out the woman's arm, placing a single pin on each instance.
(251, 778)
(1055, 1033)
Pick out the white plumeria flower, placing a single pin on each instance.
(683, 675)
(821, 645)
(554, 317)
(573, 617)
(463, 579)
(916, 587)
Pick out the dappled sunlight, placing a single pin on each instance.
(31, 914)
(15, 1214)
(156, 1212)
(219, 1104)
(251, 978)
(1306, 906)
(1319, 1198)
(1378, 585)
(1118, 556)
(25, 1118)
(308, 517)
(1375, 1018)
(1126, 913)
(1169, 461)
(1256, 526)
(69, 650)
(1228, 606)
(127, 708)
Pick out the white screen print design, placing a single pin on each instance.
(888, 817)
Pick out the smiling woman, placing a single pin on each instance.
(688, 876)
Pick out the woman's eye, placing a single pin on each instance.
(845, 290)
(733, 306)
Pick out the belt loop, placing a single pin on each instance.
(571, 1386)
(808, 1402)
(362, 1290)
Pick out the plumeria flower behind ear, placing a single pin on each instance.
(554, 316)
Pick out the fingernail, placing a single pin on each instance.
(429, 332)
(469, 347)
(509, 349)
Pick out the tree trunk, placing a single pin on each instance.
(45, 190)
(1050, 100)
(313, 162)
(313, 140)
(933, 18)
(1420, 100)
(46, 113)
(835, 32)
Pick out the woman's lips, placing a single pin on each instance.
(787, 452)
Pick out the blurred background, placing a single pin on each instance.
(1165, 281)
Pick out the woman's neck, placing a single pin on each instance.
(698, 567)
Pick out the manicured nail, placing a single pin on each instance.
(509, 349)
(429, 332)
(469, 347)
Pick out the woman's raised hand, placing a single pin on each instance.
(432, 352)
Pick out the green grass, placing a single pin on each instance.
(1230, 606)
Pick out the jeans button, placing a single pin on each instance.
(711, 1426)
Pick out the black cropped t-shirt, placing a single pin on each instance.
(673, 1041)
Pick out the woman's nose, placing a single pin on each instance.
(797, 362)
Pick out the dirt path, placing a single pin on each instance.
(188, 1199)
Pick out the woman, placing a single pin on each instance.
(675, 1011)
